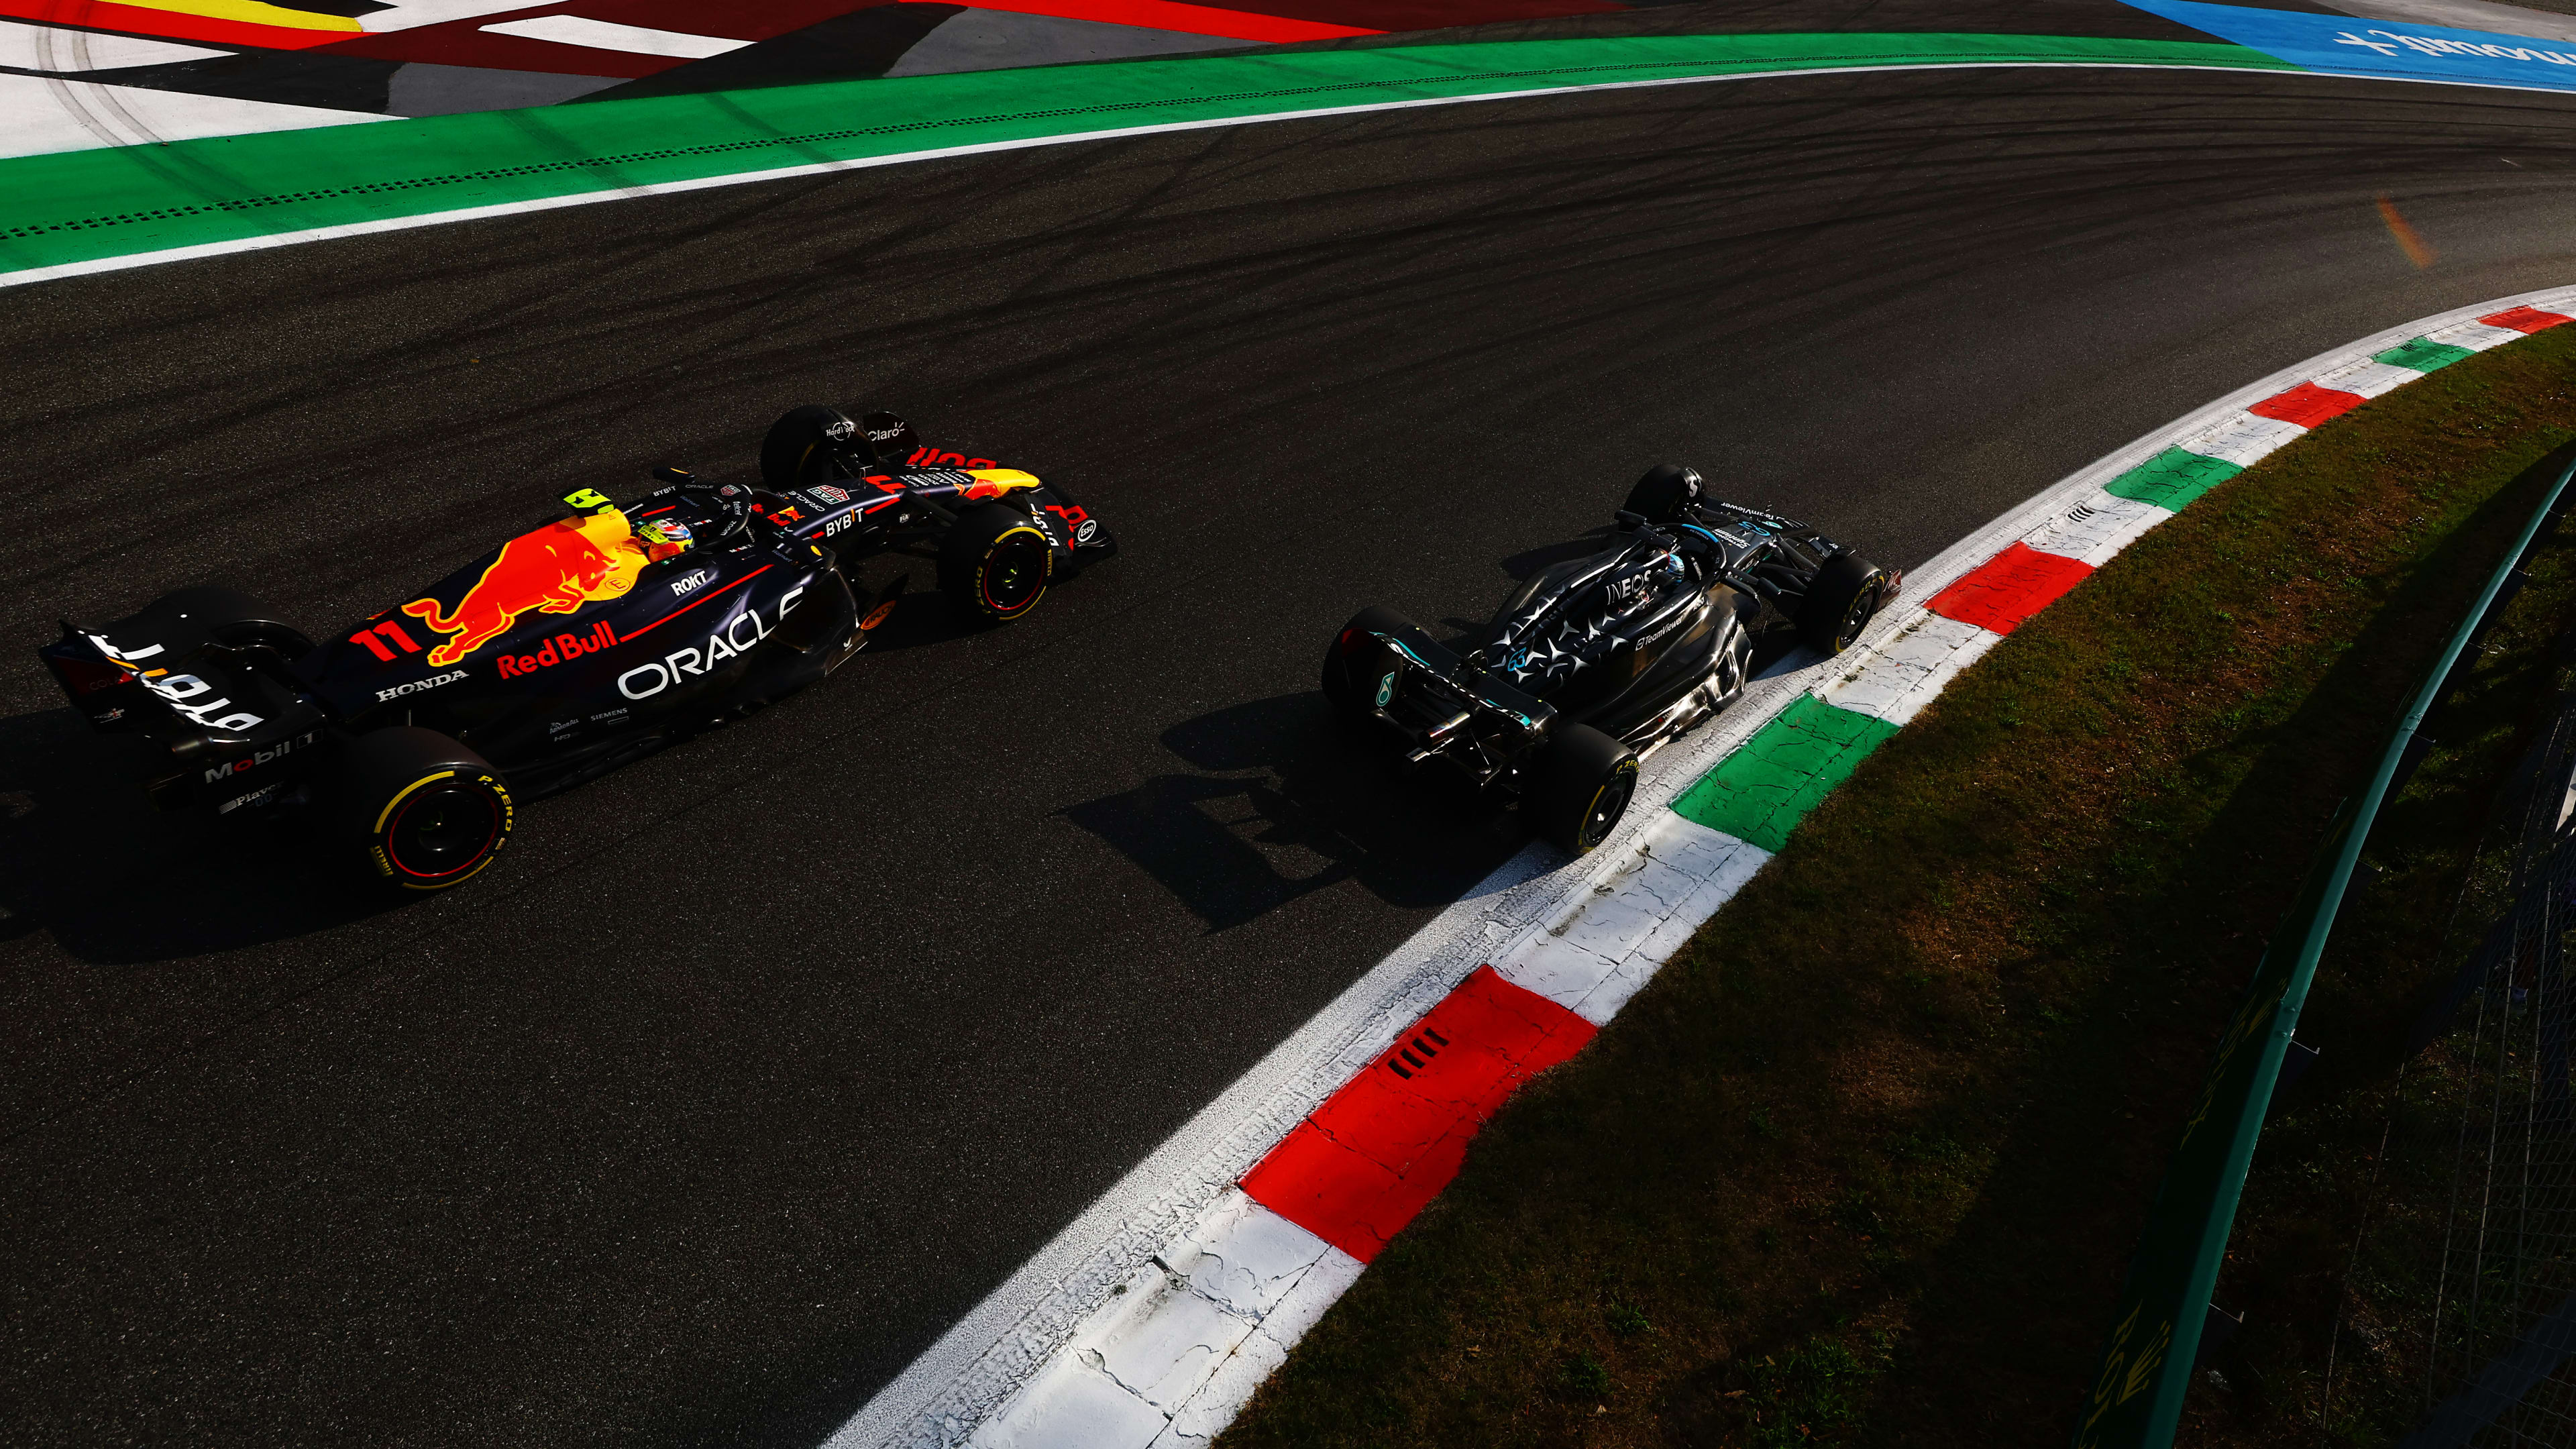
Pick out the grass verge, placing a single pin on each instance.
(1865, 1163)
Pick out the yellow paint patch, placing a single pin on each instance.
(251, 12)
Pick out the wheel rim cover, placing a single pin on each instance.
(441, 831)
(1607, 807)
(1857, 615)
(1015, 575)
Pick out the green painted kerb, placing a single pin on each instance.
(2172, 478)
(2423, 355)
(84, 206)
(1761, 792)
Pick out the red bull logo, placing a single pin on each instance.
(554, 570)
(558, 649)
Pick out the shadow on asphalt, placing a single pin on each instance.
(1522, 565)
(85, 857)
(1283, 806)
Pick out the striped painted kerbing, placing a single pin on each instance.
(1161, 1336)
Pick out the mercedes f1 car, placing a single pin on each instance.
(566, 651)
(1593, 663)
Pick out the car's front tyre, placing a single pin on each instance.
(418, 810)
(995, 563)
(799, 448)
(1841, 601)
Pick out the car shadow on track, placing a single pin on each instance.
(1529, 561)
(1281, 806)
(85, 858)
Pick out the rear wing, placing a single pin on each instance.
(107, 694)
(1428, 692)
(214, 708)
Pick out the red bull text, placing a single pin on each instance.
(558, 649)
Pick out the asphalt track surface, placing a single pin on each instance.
(757, 1063)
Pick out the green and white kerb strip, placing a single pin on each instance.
(1964, 601)
(1149, 1322)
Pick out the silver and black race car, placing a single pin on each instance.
(601, 635)
(1593, 663)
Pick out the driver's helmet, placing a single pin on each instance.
(663, 538)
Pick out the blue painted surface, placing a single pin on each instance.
(2342, 46)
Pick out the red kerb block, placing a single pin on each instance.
(2523, 319)
(2008, 588)
(2307, 405)
(1381, 1148)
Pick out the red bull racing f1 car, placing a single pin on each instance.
(1595, 662)
(568, 650)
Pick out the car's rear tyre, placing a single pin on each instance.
(1579, 787)
(798, 449)
(1841, 602)
(418, 810)
(995, 563)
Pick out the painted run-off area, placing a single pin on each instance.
(149, 71)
